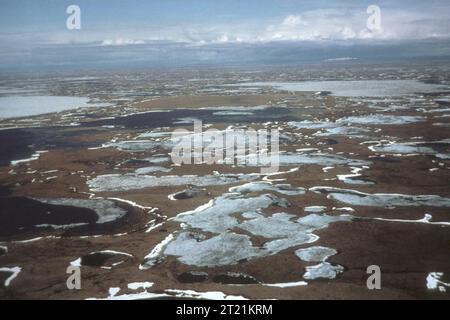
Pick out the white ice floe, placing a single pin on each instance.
(354, 197)
(154, 134)
(147, 170)
(225, 247)
(209, 295)
(323, 270)
(218, 216)
(140, 285)
(315, 254)
(352, 88)
(118, 182)
(182, 140)
(341, 126)
(434, 282)
(286, 284)
(315, 209)
(410, 148)
(157, 159)
(4, 249)
(14, 271)
(355, 132)
(106, 210)
(319, 221)
(402, 148)
(381, 119)
(286, 159)
(134, 296)
(259, 186)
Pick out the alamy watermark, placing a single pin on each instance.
(74, 280)
(374, 280)
(240, 147)
(373, 22)
(73, 21)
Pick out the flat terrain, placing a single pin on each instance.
(361, 181)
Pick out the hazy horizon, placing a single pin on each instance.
(135, 34)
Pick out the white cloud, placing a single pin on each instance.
(314, 25)
(327, 24)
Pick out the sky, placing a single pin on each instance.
(34, 34)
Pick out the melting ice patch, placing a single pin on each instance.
(307, 124)
(381, 119)
(136, 145)
(226, 247)
(119, 182)
(218, 217)
(147, 170)
(406, 148)
(140, 285)
(344, 131)
(258, 186)
(286, 284)
(323, 270)
(381, 199)
(315, 254)
(353, 88)
(420, 147)
(210, 233)
(331, 128)
(223, 249)
(434, 282)
(209, 295)
(106, 210)
(285, 159)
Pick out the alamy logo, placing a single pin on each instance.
(73, 22)
(374, 280)
(374, 20)
(74, 280)
(238, 147)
